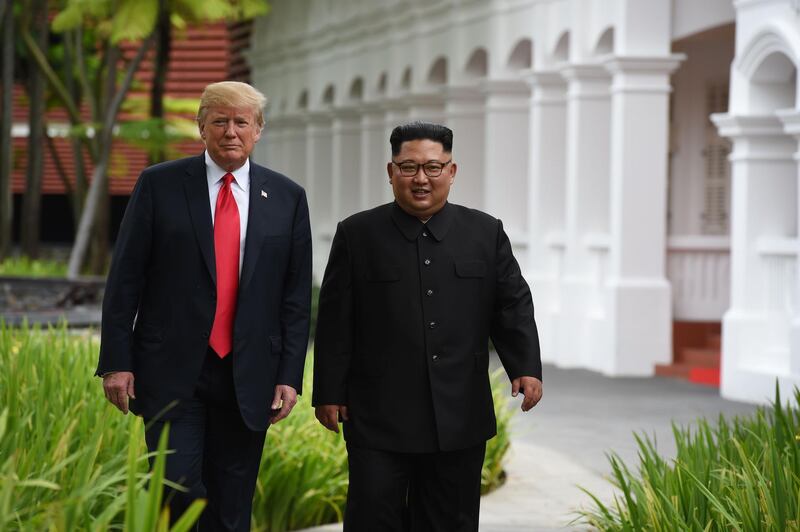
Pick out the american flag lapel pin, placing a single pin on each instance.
(263, 194)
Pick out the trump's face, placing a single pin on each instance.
(230, 134)
(421, 176)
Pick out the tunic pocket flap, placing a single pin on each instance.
(471, 268)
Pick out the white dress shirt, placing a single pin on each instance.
(240, 186)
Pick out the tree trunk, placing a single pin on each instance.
(99, 252)
(71, 56)
(98, 184)
(32, 202)
(6, 203)
(160, 68)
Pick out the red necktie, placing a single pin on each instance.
(226, 248)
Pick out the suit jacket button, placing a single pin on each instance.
(432, 325)
(205, 334)
(429, 293)
(427, 262)
(435, 358)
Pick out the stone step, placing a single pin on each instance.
(700, 356)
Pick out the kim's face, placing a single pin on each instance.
(423, 193)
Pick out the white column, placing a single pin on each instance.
(639, 300)
(396, 113)
(319, 188)
(375, 154)
(275, 133)
(294, 149)
(426, 107)
(791, 125)
(757, 327)
(582, 328)
(546, 170)
(345, 163)
(465, 115)
(506, 160)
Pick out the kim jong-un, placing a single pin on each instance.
(412, 294)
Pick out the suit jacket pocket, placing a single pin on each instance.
(471, 269)
(147, 336)
(383, 274)
(148, 331)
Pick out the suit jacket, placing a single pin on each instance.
(405, 316)
(160, 296)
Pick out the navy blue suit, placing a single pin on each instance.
(160, 301)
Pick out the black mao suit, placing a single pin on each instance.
(160, 295)
(405, 317)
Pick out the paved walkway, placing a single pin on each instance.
(562, 443)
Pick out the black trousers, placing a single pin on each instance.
(394, 492)
(216, 456)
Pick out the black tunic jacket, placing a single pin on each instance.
(405, 316)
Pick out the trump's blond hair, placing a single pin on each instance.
(232, 94)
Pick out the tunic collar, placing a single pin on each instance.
(411, 227)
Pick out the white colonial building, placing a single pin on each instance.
(643, 155)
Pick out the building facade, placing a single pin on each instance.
(641, 154)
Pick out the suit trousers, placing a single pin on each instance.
(216, 456)
(414, 492)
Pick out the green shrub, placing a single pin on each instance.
(23, 266)
(70, 461)
(740, 475)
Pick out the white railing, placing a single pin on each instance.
(698, 268)
(598, 245)
(778, 275)
(556, 242)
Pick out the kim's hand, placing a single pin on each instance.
(331, 415)
(531, 388)
(118, 387)
(283, 402)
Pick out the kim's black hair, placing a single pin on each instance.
(421, 131)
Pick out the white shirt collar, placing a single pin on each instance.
(215, 172)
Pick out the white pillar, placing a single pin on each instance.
(375, 154)
(506, 160)
(791, 125)
(294, 149)
(396, 113)
(464, 114)
(582, 327)
(275, 134)
(757, 327)
(345, 163)
(427, 107)
(319, 188)
(639, 300)
(546, 170)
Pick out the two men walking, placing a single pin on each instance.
(207, 309)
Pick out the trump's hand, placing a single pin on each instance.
(531, 388)
(283, 402)
(118, 387)
(330, 415)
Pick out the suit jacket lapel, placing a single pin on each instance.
(258, 221)
(195, 185)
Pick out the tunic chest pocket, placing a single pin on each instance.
(471, 269)
(383, 274)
